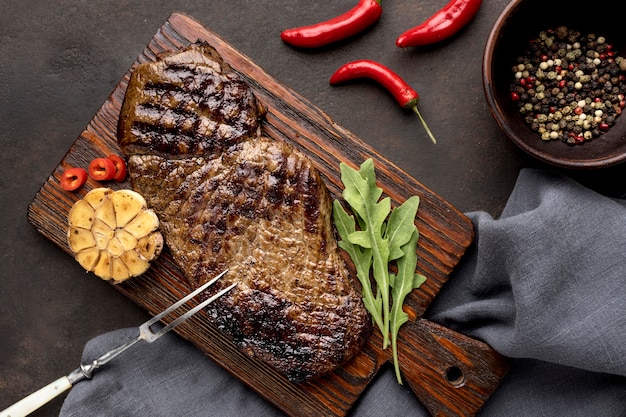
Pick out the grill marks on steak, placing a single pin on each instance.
(187, 104)
(208, 203)
(295, 306)
(259, 208)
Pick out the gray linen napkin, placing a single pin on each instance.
(545, 284)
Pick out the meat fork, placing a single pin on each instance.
(86, 370)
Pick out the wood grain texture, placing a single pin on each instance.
(451, 374)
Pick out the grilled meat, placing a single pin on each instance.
(229, 197)
(190, 103)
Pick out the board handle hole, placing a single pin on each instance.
(455, 376)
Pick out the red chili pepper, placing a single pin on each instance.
(357, 19)
(120, 167)
(443, 24)
(102, 169)
(406, 96)
(72, 178)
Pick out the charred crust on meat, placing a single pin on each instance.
(189, 103)
(228, 196)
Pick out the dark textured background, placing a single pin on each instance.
(60, 60)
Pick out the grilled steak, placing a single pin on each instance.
(185, 104)
(229, 197)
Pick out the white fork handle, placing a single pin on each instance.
(27, 405)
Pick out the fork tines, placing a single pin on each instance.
(150, 336)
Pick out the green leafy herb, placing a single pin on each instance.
(362, 258)
(374, 237)
(402, 284)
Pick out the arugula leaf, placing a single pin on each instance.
(402, 284)
(360, 186)
(373, 237)
(400, 226)
(362, 194)
(362, 258)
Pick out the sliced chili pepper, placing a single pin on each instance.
(72, 178)
(442, 25)
(406, 96)
(120, 167)
(102, 169)
(350, 23)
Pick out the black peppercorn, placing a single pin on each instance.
(569, 87)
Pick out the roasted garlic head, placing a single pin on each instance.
(114, 234)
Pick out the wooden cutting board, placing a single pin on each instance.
(451, 374)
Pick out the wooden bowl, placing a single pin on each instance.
(521, 21)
